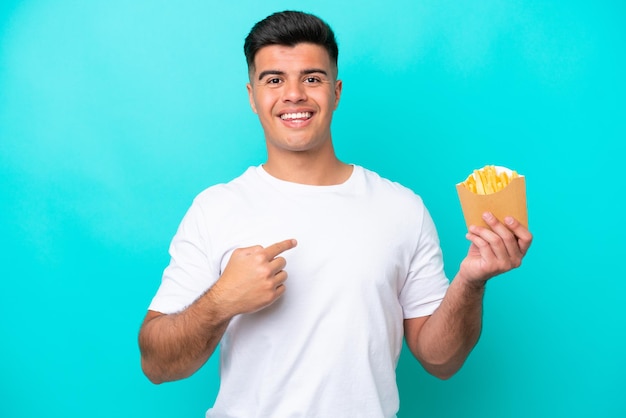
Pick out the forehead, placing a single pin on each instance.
(284, 58)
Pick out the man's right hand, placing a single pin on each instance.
(253, 278)
(174, 346)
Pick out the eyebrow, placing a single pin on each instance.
(306, 71)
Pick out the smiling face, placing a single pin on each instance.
(294, 91)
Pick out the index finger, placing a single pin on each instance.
(275, 249)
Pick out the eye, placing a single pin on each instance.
(274, 80)
(312, 80)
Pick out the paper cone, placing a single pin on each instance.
(510, 201)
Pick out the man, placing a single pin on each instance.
(313, 327)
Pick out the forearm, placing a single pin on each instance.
(443, 341)
(175, 346)
(450, 334)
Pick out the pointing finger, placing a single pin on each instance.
(275, 249)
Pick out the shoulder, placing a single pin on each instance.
(230, 189)
(219, 200)
(385, 188)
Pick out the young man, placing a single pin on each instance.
(313, 327)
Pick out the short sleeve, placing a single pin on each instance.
(190, 272)
(426, 284)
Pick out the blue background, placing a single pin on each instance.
(115, 114)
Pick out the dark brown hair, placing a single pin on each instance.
(290, 28)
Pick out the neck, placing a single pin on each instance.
(306, 169)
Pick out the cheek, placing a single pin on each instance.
(264, 105)
(331, 102)
(331, 98)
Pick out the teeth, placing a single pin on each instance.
(299, 115)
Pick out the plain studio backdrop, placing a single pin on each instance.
(115, 114)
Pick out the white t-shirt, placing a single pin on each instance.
(368, 256)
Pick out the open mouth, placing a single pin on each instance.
(297, 116)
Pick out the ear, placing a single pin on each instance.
(338, 89)
(251, 97)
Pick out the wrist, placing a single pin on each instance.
(471, 285)
(215, 307)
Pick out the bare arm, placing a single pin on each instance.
(174, 346)
(443, 341)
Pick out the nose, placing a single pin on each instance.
(294, 92)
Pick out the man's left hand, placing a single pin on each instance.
(494, 250)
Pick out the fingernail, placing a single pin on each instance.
(487, 216)
(508, 220)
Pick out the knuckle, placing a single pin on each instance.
(259, 258)
(265, 271)
(510, 239)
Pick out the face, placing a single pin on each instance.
(294, 92)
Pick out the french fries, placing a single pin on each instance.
(488, 180)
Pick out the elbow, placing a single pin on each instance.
(443, 371)
(158, 374)
(150, 372)
(154, 379)
(444, 362)
(442, 365)
(149, 367)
